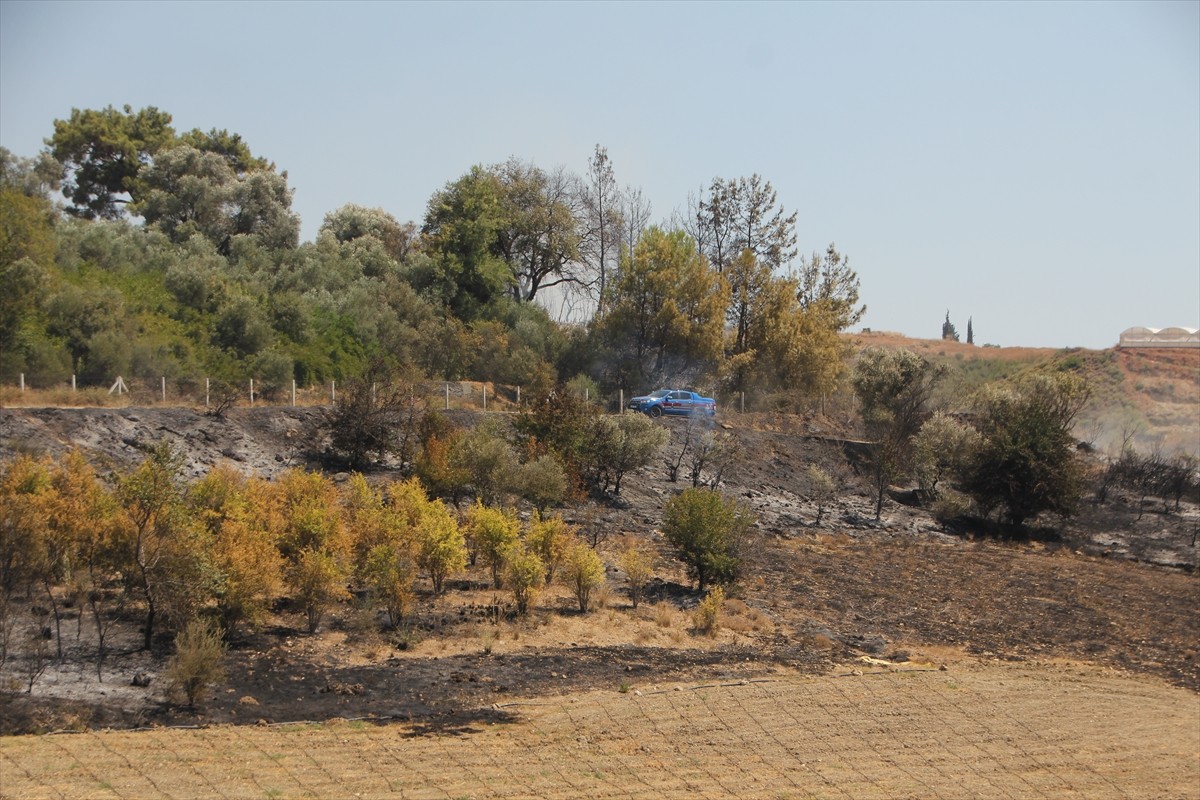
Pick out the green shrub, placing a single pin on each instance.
(707, 531)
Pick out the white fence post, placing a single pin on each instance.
(743, 402)
(206, 388)
(621, 401)
(72, 383)
(485, 397)
(252, 392)
(293, 391)
(518, 397)
(22, 383)
(333, 391)
(163, 380)
(447, 407)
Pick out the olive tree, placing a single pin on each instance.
(894, 388)
(942, 449)
(707, 531)
(620, 445)
(1027, 462)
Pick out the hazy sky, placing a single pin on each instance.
(1034, 166)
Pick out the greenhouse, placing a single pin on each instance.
(1160, 337)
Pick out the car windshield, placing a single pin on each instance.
(660, 393)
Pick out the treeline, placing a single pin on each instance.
(178, 254)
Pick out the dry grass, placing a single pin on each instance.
(602, 596)
(744, 619)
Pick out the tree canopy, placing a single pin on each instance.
(1027, 462)
(178, 253)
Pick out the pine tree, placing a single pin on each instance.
(970, 332)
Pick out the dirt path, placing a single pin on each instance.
(991, 730)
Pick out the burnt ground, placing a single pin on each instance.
(1104, 587)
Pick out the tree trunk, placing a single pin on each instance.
(149, 638)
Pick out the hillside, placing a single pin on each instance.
(1151, 394)
(1113, 586)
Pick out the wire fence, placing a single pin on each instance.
(23, 390)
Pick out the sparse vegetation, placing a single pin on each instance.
(707, 617)
(198, 662)
(252, 534)
(821, 489)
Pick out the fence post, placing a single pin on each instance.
(293, 391)
(485, 397)
(372, 394)
(518, 397)
(587, 395)
(252, 392)
(743, 402)
(72, 383)
(333, 391)
(447, 408)
(206, 387)
(621, 401)
(22, 383)
(163, 379)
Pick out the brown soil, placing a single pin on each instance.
(974, 730)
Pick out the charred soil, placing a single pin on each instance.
(1115, 586)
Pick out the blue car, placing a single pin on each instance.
(673, 401)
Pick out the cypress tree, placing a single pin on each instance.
(948, 329)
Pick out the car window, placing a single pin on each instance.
(660, 393)
(681, 395)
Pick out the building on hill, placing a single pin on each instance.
(1159, 337)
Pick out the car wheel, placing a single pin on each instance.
(656, 411)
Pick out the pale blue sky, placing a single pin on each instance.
(1035, 166)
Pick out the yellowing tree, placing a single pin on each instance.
(83, 516)
(525, 575)
(313, 539)
(494, 532)
(666, 313)
(441, 548)
(385, 546)
(307, 512)
(438, 546)
(25, 493)
(638, 566)
(549, 537)
(583, 571)
(165, 546)
(247, 561)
